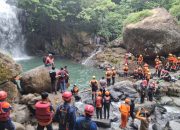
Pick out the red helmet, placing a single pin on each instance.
(89, 109)
(67, 96)
(3, 95)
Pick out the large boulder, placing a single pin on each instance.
(11, 89)
(36, 80)
(173, 125)
(9, 69)
(158, 33)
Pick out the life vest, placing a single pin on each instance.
(124, 108)
(113, 73)
(140, 59)
(43, 112)
(94, 83)
(126, 69)
(4, 116)
(76, 90)
(98, 102)
(107, 99)
(61, 74)
(140, 70)
(144, 83)
(108, 74)
(171, 59)
(64, 116)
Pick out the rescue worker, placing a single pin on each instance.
(125, 110)
(65, 114)
(108, 76)
(61, 75)
(49, 60)
(165, 75)
(67, 76)
(148, 76)
(150, 93)
(94, 87)
(143, 90)
(5, 109)
(84, 122)
(99, 105)
(103, 85)
(156, 60)
(44, 113)
(106, 104)
(170, 60)
(52, 74)
(159, 68)
(178, 64)
(140, 60)
(126, 68)
(75, 91)
(143, 115)
(135, 73)
(113, 75)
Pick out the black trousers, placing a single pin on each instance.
(113, 80)
(106, 109)
(99, 112)
(53, 86)
(108, 82)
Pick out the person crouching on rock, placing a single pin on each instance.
(84, 122)
(99, 105)
(107, 103)
(75, 91)
(125, 111)
(5, 108)
(65, 113)
(143, 115)
(44, 112)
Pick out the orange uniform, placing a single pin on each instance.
(124, 109)
(140, 59)
(108, 74)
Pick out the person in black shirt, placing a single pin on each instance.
(132, 106)
(52, 74)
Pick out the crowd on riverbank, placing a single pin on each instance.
(101, 96)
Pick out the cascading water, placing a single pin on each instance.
(11, 39)
(88, 61)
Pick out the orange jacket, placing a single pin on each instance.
(124, 108)
(108, 74)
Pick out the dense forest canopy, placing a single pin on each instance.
(103, 17)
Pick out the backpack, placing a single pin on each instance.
(64, 115)
(85, 125)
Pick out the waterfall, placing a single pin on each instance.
(88, 61)
(11, 39)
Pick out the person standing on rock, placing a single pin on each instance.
(49, 60)
(132, 107)
(44, 113)
(103, 85)
(84, 122)
(67, 76)
(94, 87)
(107, 103)
(5, 109)
(125, 110)
(140, 60)
(99, 105)
(108, 76)
(113, 75)
(126, 68)
(61, 75)
(143, 115)
(65, 114)
(52, 74)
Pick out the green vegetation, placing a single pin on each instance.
(136, 17)
(104, 17)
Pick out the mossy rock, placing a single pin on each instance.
(9, 69)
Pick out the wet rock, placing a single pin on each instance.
(115, 95)
(176, 101)
(30, 127)
(11, 89)
(173, 125)
(156, 34)
(80, 107)
(150, 106)
(20, 113)
(157, 127)
(102, 123)
(19, 126)
(30, 99)
(165, 100)
(36, 80)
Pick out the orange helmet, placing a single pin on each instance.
(89, 109)
(67, 96)
(107, 93)
(3, 95)
(127, 100)
(170, 54)
(99, 93)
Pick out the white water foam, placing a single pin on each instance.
(11, 39)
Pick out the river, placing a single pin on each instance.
(79, 74)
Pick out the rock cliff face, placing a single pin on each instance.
(156, 34)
